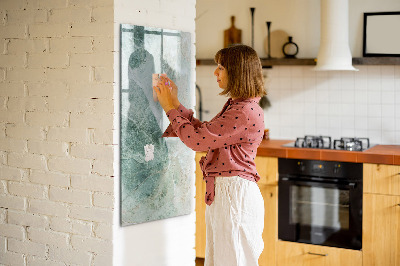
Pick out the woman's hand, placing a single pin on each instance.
(174, 90)
(164, 95)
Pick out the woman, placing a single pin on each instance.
(235, 207)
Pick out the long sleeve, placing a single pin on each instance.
(231, 139)
(225, 130)
(186, 113)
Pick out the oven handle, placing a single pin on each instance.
(297, 181)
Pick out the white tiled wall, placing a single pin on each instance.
(337, 104)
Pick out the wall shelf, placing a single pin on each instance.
(312, 61)
(376, 61)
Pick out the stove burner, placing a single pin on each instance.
(308, 141)
(324, 142)
(351, 144)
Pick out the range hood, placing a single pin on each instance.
(334, 51)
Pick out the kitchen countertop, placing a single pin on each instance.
(379, 154)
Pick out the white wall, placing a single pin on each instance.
(170, 241)
(299, 18)
(337, 104)
(56, 120)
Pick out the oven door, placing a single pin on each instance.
(322, 212)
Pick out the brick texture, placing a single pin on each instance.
(99, 246)
(27, 247)
(12, 202)
(49, 178)
(48, 237)
(92, 182)
(20, 46)
(55, 119)
(27, 190)
(103, 231)
(71, 44)
(57, 82)
(71, 226)
(28, 219)
(14, 89)
(48, 207)
(29, 16)
(10, 173)
(69, 256)
(70, 196)
(70, 165)
(91, 214)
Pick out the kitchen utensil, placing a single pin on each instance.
(232, 35)
(269, 38)
(252, 9)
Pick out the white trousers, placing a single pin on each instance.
(234, 223)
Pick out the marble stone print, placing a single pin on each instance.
(156, 172)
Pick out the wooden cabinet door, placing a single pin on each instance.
(200, 209)
(270, 233)
(381, 230)
(381, 179)
(297, 254)
(267, 168)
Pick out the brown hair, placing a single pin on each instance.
(245, 78)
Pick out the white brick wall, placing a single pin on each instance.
(56, 126)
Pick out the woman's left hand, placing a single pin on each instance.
(163, 92)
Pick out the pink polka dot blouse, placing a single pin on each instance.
(231, 139)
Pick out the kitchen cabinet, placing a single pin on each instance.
(381, 230)
(200, 209)
(381, 221)
(381, 215)
(291, 253)
(267, 167)
(270, 233)
(381, 179)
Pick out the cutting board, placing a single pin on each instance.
(232, 35)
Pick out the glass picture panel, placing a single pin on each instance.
(156, 173)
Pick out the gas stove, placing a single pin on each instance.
(325, 142)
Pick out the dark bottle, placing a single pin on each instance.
(290, 49)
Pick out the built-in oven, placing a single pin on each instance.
(320, 202)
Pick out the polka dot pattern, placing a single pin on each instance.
(231, 139)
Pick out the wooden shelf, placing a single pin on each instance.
(376, 61)
(312, 61)
(288, 62)
(267, 63)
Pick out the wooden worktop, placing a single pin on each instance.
(379, 154)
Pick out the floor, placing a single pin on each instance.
(199, 262)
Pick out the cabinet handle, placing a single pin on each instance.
(318, 254)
